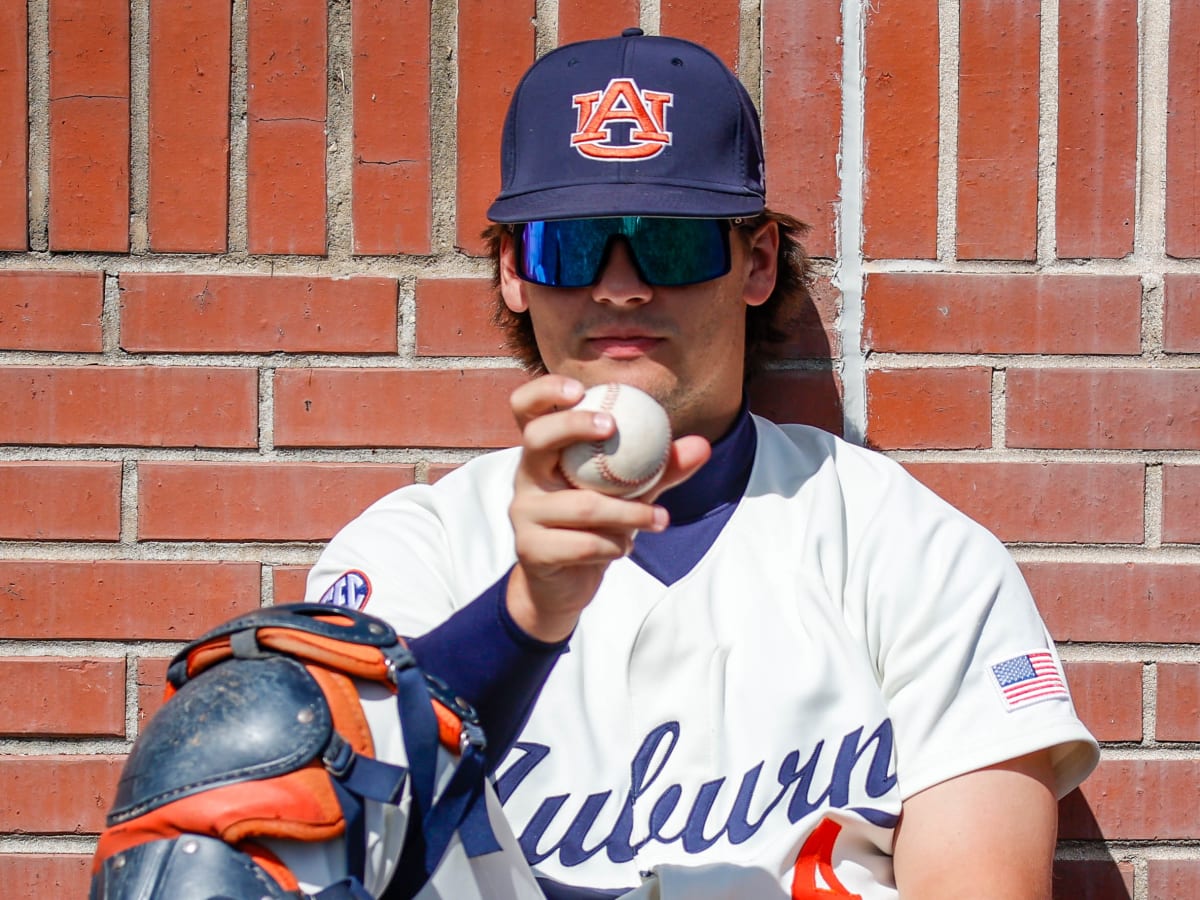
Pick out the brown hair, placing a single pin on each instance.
(765, 324)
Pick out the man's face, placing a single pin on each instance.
(682, 345)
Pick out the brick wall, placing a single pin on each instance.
(240, 297)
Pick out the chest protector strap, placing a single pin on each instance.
(263, 736)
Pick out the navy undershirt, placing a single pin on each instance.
(488, 660)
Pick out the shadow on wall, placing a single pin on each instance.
(1098, 877)
(798, 384)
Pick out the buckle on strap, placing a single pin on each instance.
(362, 775)
(472, 732)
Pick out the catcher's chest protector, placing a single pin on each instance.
(263, 738)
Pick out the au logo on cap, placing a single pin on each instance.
(622, 101)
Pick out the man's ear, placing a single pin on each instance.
(512, 288)
(762, 263)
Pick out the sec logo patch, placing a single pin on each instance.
(351, 590)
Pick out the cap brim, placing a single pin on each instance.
(628, 199)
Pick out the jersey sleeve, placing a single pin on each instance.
(417, 555)
(969, 673)
(433, 562)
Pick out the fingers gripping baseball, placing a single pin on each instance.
(567, 536)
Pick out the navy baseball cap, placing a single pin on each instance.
(630, 125)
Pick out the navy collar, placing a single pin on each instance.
(700, 506)
(723, 478)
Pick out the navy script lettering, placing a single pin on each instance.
(655, 800)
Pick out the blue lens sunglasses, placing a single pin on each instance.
(667, 252)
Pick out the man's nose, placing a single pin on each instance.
(619, 282)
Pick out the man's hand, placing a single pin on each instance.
(565, 537)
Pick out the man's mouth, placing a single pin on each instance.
(623, 346)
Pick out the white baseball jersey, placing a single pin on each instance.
(752, 727)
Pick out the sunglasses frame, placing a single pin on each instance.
(726, 226)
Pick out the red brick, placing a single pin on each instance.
(166, 312)
(1183, 137)
(1125, 799)
(285, 187)
(33, 876)
(1181, 503)
(65, 794)
(188, 208)
(901, 130)
(122, 599)
(1177, 713)
(1108, 698)
(89, 174)
(395, 407)
(288, 583)
(802, 95)
(1045, 502)
(1092, 879)
(51, 501)
(927, 409)
(89, 48)
(55, 696)
(89, 125)
(454, 318)
(1181, 314)
(51, 310)
(148, 406)
(812, 328)
(1171, 879)
(1117, 602)
(14, 137)
(999, 46)
(437, 471)
(582, 20)
(798, 396)
(286, 50)
(151, 688)
(391, 178)
(713, 24)
(495, 47)
(1108, 409)
(286, 109)
(258, 501)
(1097, 127)
(994, 313)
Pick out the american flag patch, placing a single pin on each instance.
(1029, 678)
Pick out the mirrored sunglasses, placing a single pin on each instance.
(667, 252)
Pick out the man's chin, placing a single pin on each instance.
(643, 374)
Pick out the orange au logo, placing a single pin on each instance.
(622, 101)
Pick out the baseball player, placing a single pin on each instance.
(789, 671)
(797, 673)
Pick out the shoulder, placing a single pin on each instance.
(794, 458)
(423, 544)
(481, 482)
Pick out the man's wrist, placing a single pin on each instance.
(547, 627)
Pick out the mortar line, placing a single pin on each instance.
(1150, 229)
(1047, 135)
(443, 129)
(236, 241)
(1153, 51)
(339, 131)
(750, 49)
(848, 274)
(38, 138)
(139, 128)
(1149, 701)
(948, 63)
(545, 20)
(651, 17)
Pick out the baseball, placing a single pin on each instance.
(631, 461)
